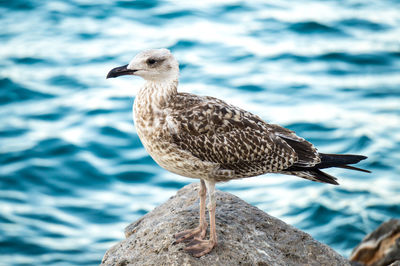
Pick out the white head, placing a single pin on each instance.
(152, 65)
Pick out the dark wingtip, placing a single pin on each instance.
(363, 157)
(334, 160)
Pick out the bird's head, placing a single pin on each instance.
(152, 65)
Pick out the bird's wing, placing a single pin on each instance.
(215, 131)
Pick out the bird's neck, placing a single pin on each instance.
(157, 94)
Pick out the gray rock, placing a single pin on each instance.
(381, 247)
(246, 236)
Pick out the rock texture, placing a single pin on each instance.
(379, 248)
(246, 236)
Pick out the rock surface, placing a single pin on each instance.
(381, 247)
(246, 236)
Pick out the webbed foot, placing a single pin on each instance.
(198, 247)
(198, 233)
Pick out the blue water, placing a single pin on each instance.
(73, 172)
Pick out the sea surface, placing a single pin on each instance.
(73, 172)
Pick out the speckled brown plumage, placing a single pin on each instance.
(238, 142)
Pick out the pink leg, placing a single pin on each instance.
(200, 231)
(198, 247)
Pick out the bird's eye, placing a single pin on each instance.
(151, 61)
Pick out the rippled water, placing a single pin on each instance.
(73, 172)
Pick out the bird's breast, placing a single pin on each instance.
(156, 130)
(151, 125)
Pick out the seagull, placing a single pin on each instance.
(206, 138)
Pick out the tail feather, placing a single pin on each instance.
(327, 161)
(314, 175)
(324, 177)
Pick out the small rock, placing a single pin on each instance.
(381, 247)
(246, 236)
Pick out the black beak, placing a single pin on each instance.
(120, 71)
